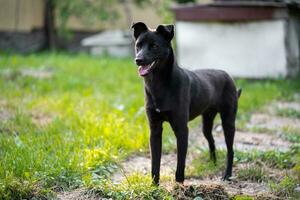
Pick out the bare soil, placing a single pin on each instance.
(5, 114)
(78, 194)
(40, 73)
(41, 119)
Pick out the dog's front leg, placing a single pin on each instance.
(181, 131)
(155, 123)
(182, 144)
(155, 146)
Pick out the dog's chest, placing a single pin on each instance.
(159, 104)
(158, 100)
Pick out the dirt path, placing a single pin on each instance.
(244, 141)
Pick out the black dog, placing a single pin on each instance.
(177, 95)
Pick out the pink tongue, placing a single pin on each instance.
(143, 70)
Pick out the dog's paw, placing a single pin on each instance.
(226, 177)
(155, 183)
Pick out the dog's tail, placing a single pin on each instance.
(239, 92)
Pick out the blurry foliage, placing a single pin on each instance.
(92, 11)
(185, 1)
(89, 11)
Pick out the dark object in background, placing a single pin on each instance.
(22, 42)
(185, 1)
(177, 96)
(34, 41)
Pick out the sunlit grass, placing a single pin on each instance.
(135, 186)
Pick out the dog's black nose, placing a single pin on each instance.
(139, 61)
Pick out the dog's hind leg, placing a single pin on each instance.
(207, 125)
(228, 115)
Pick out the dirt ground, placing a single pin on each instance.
(245, 140)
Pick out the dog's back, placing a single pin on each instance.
(209, 89)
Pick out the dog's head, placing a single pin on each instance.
(152, 47)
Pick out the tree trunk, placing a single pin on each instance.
(49, 18)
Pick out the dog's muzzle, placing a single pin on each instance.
(144, 70)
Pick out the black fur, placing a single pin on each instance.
(178, 95)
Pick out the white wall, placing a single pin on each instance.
(248, 49)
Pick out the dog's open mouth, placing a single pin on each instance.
(146, 69)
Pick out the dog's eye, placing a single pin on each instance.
(154, 46)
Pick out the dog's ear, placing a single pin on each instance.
(167, 31)
(138, 28)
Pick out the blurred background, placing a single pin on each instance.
(33, 25)
(254, 39)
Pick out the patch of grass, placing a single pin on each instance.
(253, 173)
(257, 93)
(242, 197)
(291, 134)
(135, 186)
(285, 188)
(202, 166)
(273, 159)
(296, 171)
(19, 189)
(263, 196)
(288, 112)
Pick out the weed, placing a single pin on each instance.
(252, 173)
(285, 188)
(291, 134)
(135, 186)
(273, 159)
(242, 197)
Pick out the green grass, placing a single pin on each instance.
(291, 134)
(272, 158)
(288, 112)
(98, 119)
(253, 173)
(285, 188)
(257, 93)
(135, 186)
(203, 166)
(243, 197)
(94, 118)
